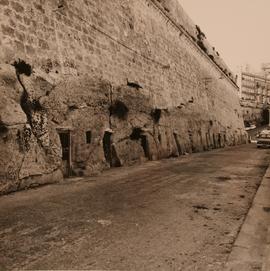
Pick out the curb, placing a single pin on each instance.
(266, 261)
(251, 250)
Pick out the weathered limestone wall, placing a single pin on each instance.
(83, 53)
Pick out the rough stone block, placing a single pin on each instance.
(17, 7)
(4, 2)
(8, 31)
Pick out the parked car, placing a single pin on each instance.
(263, 139)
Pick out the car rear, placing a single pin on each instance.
(263, 140)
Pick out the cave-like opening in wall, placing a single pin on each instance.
(138, 134)
(178, 145)
(219, 141)
(109, 150)
(65, 139)
(214, 141)
(145, 146)
(107, 143)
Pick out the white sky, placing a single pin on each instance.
(238, 29)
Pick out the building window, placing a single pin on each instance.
(88, 137)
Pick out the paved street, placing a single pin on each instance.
(177, 214)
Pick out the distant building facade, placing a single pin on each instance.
(254, 93)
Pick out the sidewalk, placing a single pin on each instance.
(251, 250)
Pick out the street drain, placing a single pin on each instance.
(223, 178)
(266, 209)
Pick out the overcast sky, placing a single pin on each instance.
(238, 29)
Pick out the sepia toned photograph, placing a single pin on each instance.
(134, 135)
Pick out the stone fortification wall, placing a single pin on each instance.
(121, 73)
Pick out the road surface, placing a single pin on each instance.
(176, 214)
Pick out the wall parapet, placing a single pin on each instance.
(183, 31)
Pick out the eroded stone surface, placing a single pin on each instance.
(117, 88)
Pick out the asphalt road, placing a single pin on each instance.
(176, 214)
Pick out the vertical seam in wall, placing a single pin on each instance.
(59, 53)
